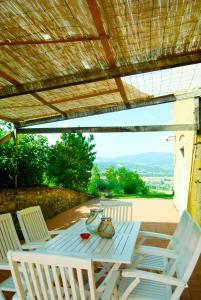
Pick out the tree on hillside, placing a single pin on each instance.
(93, 186)
(71, 161)
(131, 182)
(7, 163)
(112, 182)
(5, 126)
(32, 161)
(117, 182)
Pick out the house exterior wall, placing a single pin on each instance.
(194, 200)
(183, 113)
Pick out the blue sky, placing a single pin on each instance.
(122, 144)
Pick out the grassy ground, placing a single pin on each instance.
(150, 195)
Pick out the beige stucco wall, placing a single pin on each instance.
(183, 113)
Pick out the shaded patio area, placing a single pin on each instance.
(156, 215)
(62, 61)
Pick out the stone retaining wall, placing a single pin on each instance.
(52, 200)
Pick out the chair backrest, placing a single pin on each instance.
(187, 258)
(51, 277)
(8, 237)
(189, 254)
(33, 225)
(179, 239)
(182, 229)
(118, 210)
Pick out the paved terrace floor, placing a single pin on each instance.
(156, 215)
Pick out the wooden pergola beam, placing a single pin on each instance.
(99, 110)
(92, 76)
(6, 137)
(121, 89)
(113, 129)
(50, 41)
(96, 15)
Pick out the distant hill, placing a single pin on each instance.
(146, 164)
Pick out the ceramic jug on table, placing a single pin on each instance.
(94, 219)
(106, 228)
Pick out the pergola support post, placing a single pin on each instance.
(16, 157)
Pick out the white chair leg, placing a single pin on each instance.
(115, 295)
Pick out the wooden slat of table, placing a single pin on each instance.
(119, 249)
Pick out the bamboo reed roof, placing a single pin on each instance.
(65, 59)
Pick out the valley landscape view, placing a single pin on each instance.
(156, 168)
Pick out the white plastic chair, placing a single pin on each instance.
(118, 210)
(42, 276)
(137, 284)
(156, 258)
(33, 225)
(8, 241)
(176, 237)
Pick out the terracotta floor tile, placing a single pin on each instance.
(194, 285)
(186, 294)
(195, 295)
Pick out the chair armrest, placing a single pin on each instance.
(156, 251)
(153, 276)
(110, 285)
(56, 232)
(149, 234)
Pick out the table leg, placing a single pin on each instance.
(115, 267)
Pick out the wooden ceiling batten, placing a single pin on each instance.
(8, 119)
(90, 95)
(39, 42)
(63, 100)
(9, 78)
(95, 12)
(39, 98)
(92, 76)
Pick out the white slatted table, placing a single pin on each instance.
(119, 249)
